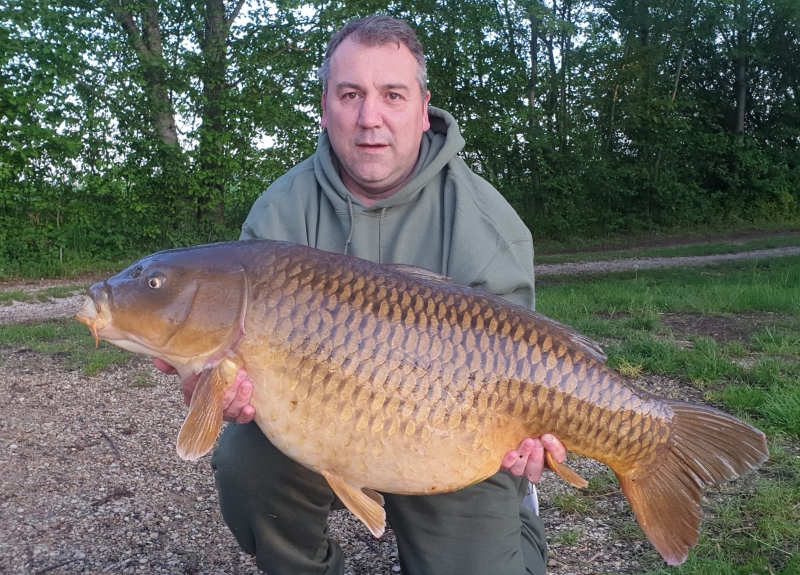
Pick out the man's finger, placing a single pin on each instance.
(247, 414)
(555, 447)
(231, 393)
(164, 367)
(187, 386)
(535, 463)
(526, 447)
(240, 400)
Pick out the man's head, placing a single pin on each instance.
(377, 31)
(375, 104)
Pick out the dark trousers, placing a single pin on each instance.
(278, 511)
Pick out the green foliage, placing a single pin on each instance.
(121, 134)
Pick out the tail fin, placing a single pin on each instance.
(707, 447)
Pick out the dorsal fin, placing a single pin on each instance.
(587, 344)
(420, 273)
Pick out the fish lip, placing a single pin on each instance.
(96, 313)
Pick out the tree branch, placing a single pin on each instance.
(126, 21)
(235, 13)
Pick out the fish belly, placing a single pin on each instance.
(356, 432)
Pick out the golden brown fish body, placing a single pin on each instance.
(391, 379)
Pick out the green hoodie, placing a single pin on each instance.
(445, 219)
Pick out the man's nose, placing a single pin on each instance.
(370, 114)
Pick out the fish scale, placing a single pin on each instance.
(401, 313)
(391, 378)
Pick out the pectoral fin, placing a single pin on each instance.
(565, 472)
(204, 420)
(366, 506)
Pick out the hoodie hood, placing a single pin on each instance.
(439, 145)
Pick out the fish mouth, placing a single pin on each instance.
(95, 319)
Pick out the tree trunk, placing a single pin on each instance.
(740, 65)
(213, 134)
(741, 95)
(147, 44)
(610, 137)
(534, 51)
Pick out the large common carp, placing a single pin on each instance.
(391, 378)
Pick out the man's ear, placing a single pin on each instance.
(323, 122)
(426, 123)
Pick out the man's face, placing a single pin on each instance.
(375, 116)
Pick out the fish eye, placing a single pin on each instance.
(155, 280)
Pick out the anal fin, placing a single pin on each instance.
(204, 420)
(565, 472)
(362, 503)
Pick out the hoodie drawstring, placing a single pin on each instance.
(380, 237)
(352, 224)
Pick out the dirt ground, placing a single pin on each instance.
(91, 482)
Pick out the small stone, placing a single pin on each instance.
(12, 446)
(396, 568)
(552, 563)
(80, 555)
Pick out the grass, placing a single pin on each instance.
(573, 504)
(568, 537)
(755, 526)
(65, 338)
(143, 379)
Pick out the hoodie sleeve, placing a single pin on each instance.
(491, 249)
(283, 212)
(510, 274)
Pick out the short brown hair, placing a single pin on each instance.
(377, 31)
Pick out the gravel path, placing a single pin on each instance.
(63, 307)
(652, 263)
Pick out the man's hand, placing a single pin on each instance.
(528, 458)
(236, 406)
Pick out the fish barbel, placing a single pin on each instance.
(391, 378)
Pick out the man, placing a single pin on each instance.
(385, 184)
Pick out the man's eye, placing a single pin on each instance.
(351, 96)
(393, 97)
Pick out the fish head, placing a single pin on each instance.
(183, 306)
